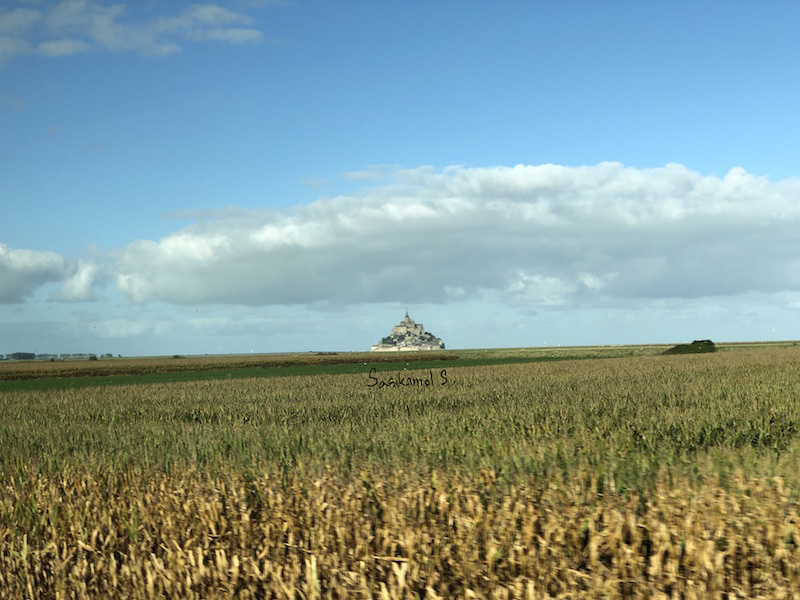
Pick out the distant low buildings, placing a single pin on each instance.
(63, 356)
(408, 335)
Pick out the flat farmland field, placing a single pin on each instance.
(628, 475)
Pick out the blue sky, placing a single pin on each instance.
(290, 176)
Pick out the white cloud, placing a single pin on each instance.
(524, 236)
(73, 26)
(79, 287)
(544, 235)
(24, 271)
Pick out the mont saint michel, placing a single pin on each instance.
(408, 335)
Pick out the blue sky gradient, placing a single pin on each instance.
(289, 176)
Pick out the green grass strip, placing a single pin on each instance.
(64, 383)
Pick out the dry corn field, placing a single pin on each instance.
(614, 478)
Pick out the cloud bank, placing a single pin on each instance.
(74, 26)
(523, 236)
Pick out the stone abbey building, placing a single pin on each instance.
(408, 335)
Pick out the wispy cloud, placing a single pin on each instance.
(62, 47)
(210, 22)
(18, 21)
(73, 26)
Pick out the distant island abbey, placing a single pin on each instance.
(408, 335)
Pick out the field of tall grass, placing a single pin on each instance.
(648, 476)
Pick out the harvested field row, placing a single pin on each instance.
(191, 536)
